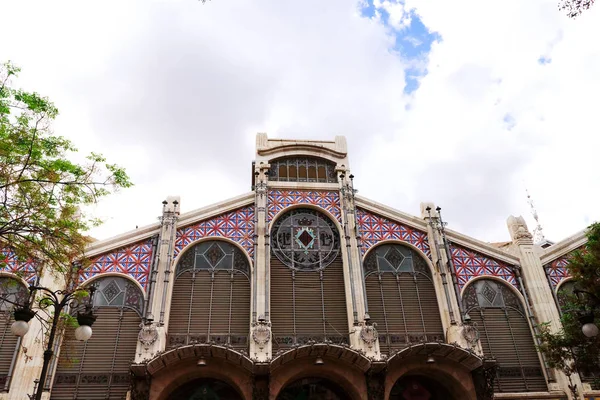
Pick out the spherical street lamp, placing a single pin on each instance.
(19, 328)
(590, 330)
(22, 317)
(83, 333)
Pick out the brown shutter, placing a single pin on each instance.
(98, 368)
(8, 346)
(307, 308)
(505, 335)
(405, 308)
(208, 306)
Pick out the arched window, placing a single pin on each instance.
(302, 169)
(211, 296)
(11, 292)
(505, 335)
(401, 297)
(99, 368)
(308, 299)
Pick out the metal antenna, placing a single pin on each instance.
(538, 233)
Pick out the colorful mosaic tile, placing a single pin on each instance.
(280, 199)
(134, 260)
(374, 228)
(470, 264)
(237, 225)
(10, 263)
(557, 270)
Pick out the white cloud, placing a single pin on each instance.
(175, 91)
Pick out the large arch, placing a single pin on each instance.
(176, 368)
(338, 365)
(446, 367)
(13, 290)
(211, 295)
(401, 295)
(100, 367)
(500, 317)
(306, 284)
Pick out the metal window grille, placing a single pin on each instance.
(505, 335)
(302, 169)
(211, 297)
(99, 368)
(401, 297)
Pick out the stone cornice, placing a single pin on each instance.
(300, 148)
(563, 247)
(215, 209)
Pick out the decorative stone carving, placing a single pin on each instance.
(148, 334)
(519, 231)
(261, 333)
(470, 333)
(369, 335)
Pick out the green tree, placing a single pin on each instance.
(43, 192)
(574, 8)
(569, 350)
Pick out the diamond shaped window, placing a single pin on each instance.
(214, 254)
(394, 257)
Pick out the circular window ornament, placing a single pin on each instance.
(305, 239)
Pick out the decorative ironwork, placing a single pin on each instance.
(302, 169)
(470, 264)
(133, 260)
(237, 225)
(281, 199)
(12, 292)
(304, 239)
(212, 256)
(374, 229)
(489, 294)
(396, 259)
(115, 291)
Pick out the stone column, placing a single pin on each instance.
(261, 337)
(539, 292)
(154, 334)
(446, 284)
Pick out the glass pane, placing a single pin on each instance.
(293, 173)
(312, 173)
(283, 173)
(302, 175)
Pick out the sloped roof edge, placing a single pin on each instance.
(136, 235)
(563, 247)
(455, 237)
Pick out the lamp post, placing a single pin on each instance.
(58, 299)
(588, 327)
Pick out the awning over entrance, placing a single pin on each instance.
(452, 352)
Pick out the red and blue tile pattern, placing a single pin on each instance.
(470, 264)
(10, 263)
(134, 260)
(237, 225)
(327, 200)
(557, 270)
(374, 229)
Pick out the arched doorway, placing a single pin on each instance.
(415, 387)
(205, 389)
(313, 389)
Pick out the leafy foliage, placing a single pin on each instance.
(570, 350)
(574, 8)
(42, 190)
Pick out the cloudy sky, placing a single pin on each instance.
(464, 103)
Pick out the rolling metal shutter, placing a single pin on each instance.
(210, 306)
(8, 346)
(405, 308)
(308, 305)
(98, 368)
(505, 335)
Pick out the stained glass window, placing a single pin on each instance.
(115, 291)
(303, 169)
(304, 239)
(213, 255)
(11, 291)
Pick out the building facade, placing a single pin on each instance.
(301, 289)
